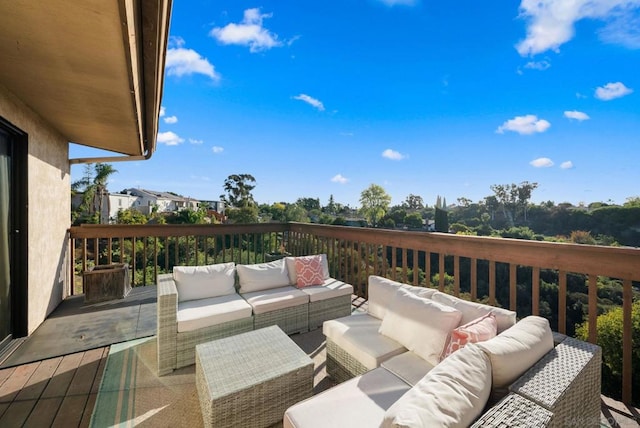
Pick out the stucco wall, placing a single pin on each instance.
(49, 208)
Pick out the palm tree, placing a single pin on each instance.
(93, 187)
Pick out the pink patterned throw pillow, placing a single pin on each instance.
(309, 271)
(478, 330)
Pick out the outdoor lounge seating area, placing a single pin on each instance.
(421, 363)
(417, 357)
(197, 304)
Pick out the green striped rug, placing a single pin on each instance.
(131, 394)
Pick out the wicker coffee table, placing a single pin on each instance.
(250, 379)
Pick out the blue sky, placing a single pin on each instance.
(421, 97)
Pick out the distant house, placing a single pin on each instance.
(146, 201)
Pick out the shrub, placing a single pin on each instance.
(609, 327)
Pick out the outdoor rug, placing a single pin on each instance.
(131, 394)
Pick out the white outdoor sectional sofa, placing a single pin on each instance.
(197, 304)
(394, 369)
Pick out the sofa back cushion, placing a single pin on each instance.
(382, 290)
(419, 324)
(204, 282)
(262, 276)
(452, 394)
(293, 274)
(516, 349)
(472, 310)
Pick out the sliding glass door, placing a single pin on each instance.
(5, 236)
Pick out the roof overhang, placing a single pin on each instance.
(93, 69)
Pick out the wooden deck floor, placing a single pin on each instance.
(61, 392)
(57, 392)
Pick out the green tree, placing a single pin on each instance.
(295, 212)
(331, 207)
(93, 187)
(309, 204)
(413, 203)
(609, 328)
(131, 216)
(244, 215)
(413, 221)
(374, 202)
(238, 189)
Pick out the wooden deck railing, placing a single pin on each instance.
(497, 270)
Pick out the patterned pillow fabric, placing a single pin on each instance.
(309, 271)
(478, 330)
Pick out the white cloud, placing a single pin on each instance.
(217, 149)
(524, 125)
(577, 115)
(162, 111)
(171, 119)
(310, 100)
(551, 23)
(566, 165)
(194, 141)
(169, 138)
(538, 65)
(249, 32)
(338, 178)
(393, 155)
(542, 163)
(611, 91)
(623, 29)
(181, 61)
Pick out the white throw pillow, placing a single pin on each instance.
(452, 394)
(516, 349)
(262, 276)
(419, 324)
(291, 268)
(381, 290)
(204, 282)
(473, 310)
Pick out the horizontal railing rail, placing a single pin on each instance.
(500, 271)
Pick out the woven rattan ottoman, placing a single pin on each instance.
(250, 379)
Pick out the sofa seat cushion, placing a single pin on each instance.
(358, 335)
(358, 402)
(516, 349)
(453, 394)
(262, 276)
(408, 366)
(275, 298)
(329, 289)
(196, 314)
(203, 282)
(472, 310)
(381, 291)
(419, 324)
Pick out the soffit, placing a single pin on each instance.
(93, 69)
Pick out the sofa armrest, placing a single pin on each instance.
(566, 381)
(167, 317)
(514, 411)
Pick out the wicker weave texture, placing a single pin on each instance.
(515, 411)
(250, 379)
(291, 320)
(324, 310)
(167, 311)
(342, 366)
(567, 382)
(187, 341)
